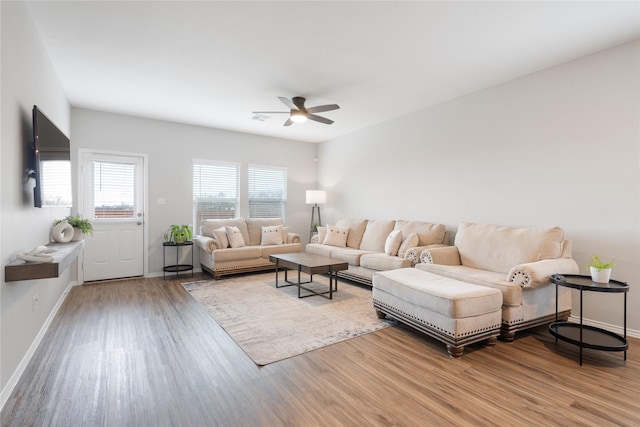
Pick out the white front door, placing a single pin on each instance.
(113, 198)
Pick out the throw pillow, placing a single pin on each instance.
(235, 237)
(220, 235)
(393, 242)
(322, 234)
(336, 236)
(271, 235)
(411, 241)
(285, 234)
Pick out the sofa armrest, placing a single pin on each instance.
(293, 238)
(536, 274)
(208, 244)
(413, 254)
(444, 255)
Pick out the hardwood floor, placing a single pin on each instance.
(144, 353)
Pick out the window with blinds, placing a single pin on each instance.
(215, 191)
(267, 191)
(113, 190)
(55, 176)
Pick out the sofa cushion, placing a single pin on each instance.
(383, 262)
(511, 292)
(497, 248)
(350, 255)
(271, 235)
(235, 237)
(280, 249)
(208, 225)
(375, 235)
(236, 254)
(336, 236)
(427, 232)
(254, 229)
(393, 242)
(411, 241)
(356, 230)
(319, 249)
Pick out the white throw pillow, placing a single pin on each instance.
(271, 235)
(220, 235)
(393, 242)
(411, 241)
(322, 234)
(285, 234)
(336, 236)
(235, 237)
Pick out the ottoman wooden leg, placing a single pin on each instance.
(380, 314)
(455, 352)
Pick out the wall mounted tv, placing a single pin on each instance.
(52, 166)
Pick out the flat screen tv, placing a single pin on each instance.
(50, 146)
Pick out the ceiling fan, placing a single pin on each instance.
(299, 113)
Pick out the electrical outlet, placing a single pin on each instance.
(35, 301)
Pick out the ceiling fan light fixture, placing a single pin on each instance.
(298, 117)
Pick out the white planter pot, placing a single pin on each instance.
(600, 276)
(77, 234)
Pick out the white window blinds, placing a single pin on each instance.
(215, 191)
(267, 191)
(113, 190)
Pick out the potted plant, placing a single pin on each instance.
(600, 271)
(81, 226)
(178, 234)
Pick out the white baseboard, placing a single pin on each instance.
(13, 381)
(611, 328)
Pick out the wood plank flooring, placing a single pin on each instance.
(144, 353)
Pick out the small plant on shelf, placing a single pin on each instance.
(178, 234)
(77, 221)
(600, 270)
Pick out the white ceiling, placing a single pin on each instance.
(213, 63)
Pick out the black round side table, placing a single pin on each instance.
(586, 336)
(177, 267)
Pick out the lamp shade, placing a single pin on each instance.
(316, 197)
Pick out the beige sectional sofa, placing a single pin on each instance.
(516, 261)
(229, 246)
(377, 245)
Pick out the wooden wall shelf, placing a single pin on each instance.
(63, 256)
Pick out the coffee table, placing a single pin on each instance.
(310, 264)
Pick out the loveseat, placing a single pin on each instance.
(517, 261)
(229, 246)
(376, 245)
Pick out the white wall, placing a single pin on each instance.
(171, 147)
(27, 78)
(558, 147)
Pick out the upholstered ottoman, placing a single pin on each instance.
(454, 312)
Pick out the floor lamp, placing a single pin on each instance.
(315, 198)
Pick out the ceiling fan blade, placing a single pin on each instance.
(288, 103)
(289, 122)
(271, 112)
(319, 119)
(321, 108)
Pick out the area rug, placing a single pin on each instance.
(272, 324)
